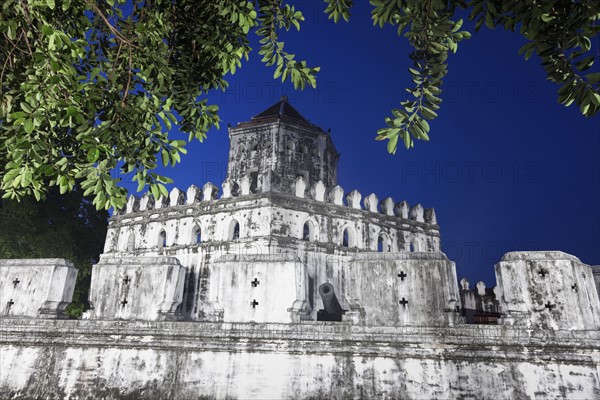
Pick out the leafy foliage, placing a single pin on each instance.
(560, 32)
(63, 226)
(90, 86)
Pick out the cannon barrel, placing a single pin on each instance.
(330, 301)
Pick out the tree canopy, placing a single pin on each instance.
(90, 86)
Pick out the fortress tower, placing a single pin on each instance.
(281, 222)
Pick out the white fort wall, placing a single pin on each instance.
(36, 287)
(181, 361)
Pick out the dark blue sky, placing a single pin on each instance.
(507, 167)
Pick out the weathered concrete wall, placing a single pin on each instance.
(259, 288)
(179, 360)
(395, 289)
(36, 287)
(547, 290)
(143, 288)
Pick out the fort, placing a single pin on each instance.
(281, 284)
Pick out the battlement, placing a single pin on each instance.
(211, 195)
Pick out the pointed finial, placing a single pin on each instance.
(284, 100)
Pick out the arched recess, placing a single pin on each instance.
(309, 231)
(196, 234)
(233, 232)
(414, 246)
(254, 146)
(130, 246)
(162, 238)
(241, 149)
(289, 145)
(348, 237)
(384, 243)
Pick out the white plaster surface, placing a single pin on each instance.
(547, 290)
(403, 289)
(259, 361)
(146, 288)
(36, 287)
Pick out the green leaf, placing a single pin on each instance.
(93, 154)
(428, 113)
(155, 190)
(392, 144)
(141, 185)
(11, 30)
(26, 107)
(26, 178)
(47, 30)
(28, 126)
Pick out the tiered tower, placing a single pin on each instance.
(280, 221)
(279, 145)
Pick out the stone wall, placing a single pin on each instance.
(184, 360)
(547, 290)
(143, 288)
(36, 287)
(395, 289)
(259, 288)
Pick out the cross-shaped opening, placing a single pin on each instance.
(16, 282)
(126, 280)
(404, 302)
(254, 303)
(10, 303)
(255, 282)
(550, 306)
(574, 287)
(542, 273)
(402, 275)
(123, 302)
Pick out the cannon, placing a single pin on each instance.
(333, 311)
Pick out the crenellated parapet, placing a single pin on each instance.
(345, 219)
(325, 215)
(317, 192)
